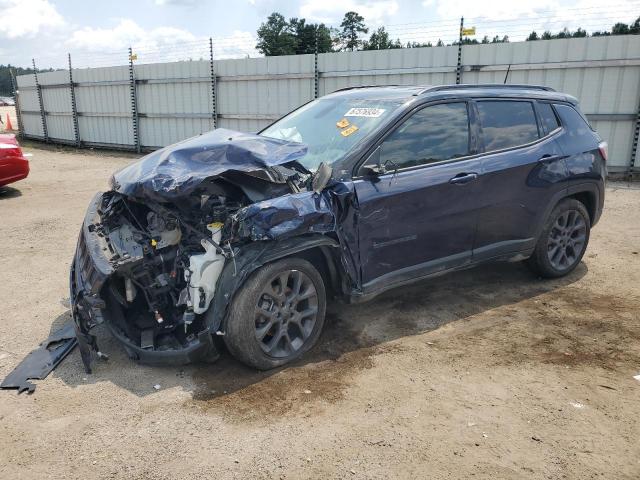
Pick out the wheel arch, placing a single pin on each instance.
(320, 250)
(589, 198)
(587, 193)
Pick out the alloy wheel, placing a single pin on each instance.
(286, 313)
(566, 240)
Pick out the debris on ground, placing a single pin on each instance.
(41, 361)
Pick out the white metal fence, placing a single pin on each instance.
(152, 105)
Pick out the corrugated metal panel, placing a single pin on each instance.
(32, 124)
(104, 111)
(239, 96)
(187, 91)
(57, 104)
(174, 99)
(411, 66)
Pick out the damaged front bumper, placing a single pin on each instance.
(93, 304)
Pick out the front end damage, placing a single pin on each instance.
(160, 256)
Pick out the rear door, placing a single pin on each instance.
(523, 168)
(420, 216)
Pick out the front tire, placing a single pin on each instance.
(277, 315)
(563, 240)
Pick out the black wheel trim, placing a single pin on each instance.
(286, 313)
(566, 240)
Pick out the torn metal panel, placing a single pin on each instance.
(176, 171)
(41, 361)
(286, 216)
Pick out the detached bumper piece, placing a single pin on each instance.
(40, 362)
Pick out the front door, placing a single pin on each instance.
(419, 216)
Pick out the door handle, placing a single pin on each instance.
(463, 178)
(551, 158)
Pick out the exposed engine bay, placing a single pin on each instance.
(153, 248)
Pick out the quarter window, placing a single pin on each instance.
(507, 124)
(435, 133)
(548, 117)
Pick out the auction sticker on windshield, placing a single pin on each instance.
(348, 131)
(365, 112)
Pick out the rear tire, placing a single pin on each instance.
(277, 315)
(563, 240)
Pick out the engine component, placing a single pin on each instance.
(203, 272)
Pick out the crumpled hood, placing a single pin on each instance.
(177, 170)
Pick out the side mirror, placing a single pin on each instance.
(321, 177)
(373, 170)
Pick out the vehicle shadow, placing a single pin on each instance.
(401, 312)
(9, 192)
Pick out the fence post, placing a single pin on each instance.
(634, 144)
(16, 101)
(74, 110)
(41, 103)
(459, 67)
(214, 114)
(134, 103)
(316, 73)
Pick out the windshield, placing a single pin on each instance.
(331, 126)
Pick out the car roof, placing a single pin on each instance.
(438, 92)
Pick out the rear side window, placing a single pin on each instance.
(507, 124)
(578, 135)
(548, 117)
(575, 123)
(435, 133)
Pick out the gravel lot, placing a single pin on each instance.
(490, 372)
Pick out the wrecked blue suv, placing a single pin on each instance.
(248, 236)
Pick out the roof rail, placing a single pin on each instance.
(486, 85)
(362, 86)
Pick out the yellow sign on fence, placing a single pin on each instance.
(469, 31)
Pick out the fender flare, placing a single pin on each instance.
(591, 188)
(248, 259)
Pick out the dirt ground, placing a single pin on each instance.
(488, 373)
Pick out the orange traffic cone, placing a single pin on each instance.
(9, 126)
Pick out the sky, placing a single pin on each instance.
(99, 33)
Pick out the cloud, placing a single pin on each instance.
(498, 10)
(25, 18)
(124, 34)
(332, 11)
(540, 11)
(102, 46)
(183, 3)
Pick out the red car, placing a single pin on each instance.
(13, 165)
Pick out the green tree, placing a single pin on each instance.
(352, 26)
(418, 44)
(380, 40)
(275, 37)
(533, 36)
(620, 29)
(5, 77)
(305, 35)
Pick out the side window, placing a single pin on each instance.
(435, 133)
(578, 135)
(548, 117)
(507, 124)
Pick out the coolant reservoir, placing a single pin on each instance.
(205, 268)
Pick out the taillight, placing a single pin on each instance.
(604, 150)
(10, 150)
